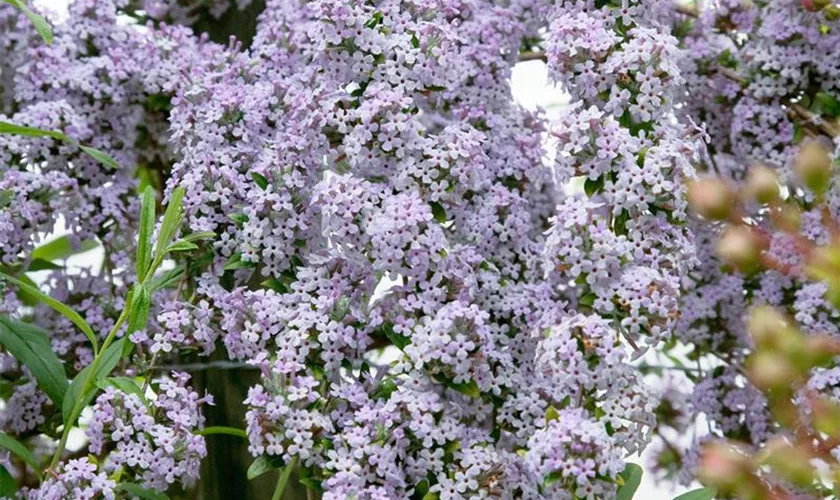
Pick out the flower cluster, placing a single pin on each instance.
(78, 478)
(624, 247)
(445, 294)
(154, 441)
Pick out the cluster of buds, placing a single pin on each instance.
(801, 457)
(743, 244)
(829, 7)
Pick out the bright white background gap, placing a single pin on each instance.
(531, 89)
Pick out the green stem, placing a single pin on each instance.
(283, 480)
(230, 431)
(86, 386)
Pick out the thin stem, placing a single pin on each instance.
(86, 386)
(283, 480)
(532, 56)
(688, 10)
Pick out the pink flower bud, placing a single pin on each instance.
(711, 198)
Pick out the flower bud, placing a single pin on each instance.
(770, 329)
(820, 350)
(825, 414)
(789, 462)
(788, 217)
(740, 247)
(815, 5)
(813, 166)
(763, 184)
(711, 198)
(770, 370)
(723, 466)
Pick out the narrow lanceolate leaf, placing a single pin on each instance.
(17, 448)
(632, 476)
(42, 265)
(166, 279)
(31, 346)
(230, 431)
(201, 235)
(181, 246)
(147, 227)
(38, 21)
(141, 301)
(126, 385)
(263, 464)
(27, 298)
(59, 307)
(171, 220)
(11, 128)
(61, 248)
(110, 357)
(698, 494)
(100, 156)
(137, 491)
(8, 486)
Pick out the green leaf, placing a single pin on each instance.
(181, 246)
(147, 227)
(6, 197)
(11, 128)
(312, 483)
(59, 307)
(38, 21)
(263, 464)
(124, 384)
(399, 340)
(166, 279)
(551, 414)
(202, 235)
(438, 212)
(42, 265)
(827, 104)
(230, 431)
(17, 448)
(61, 248)
(8, 486)
(31, 346)
(632, 475)
(238, 218)
(593, 187)
(698, 494)
(110, 358)
(137, 491)
(101, 157)
(552, 478)
(27, 298)
(587, 299)
(261, 181)
(235, 262)
(141, 302)
(469, 389)
(171, 219)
